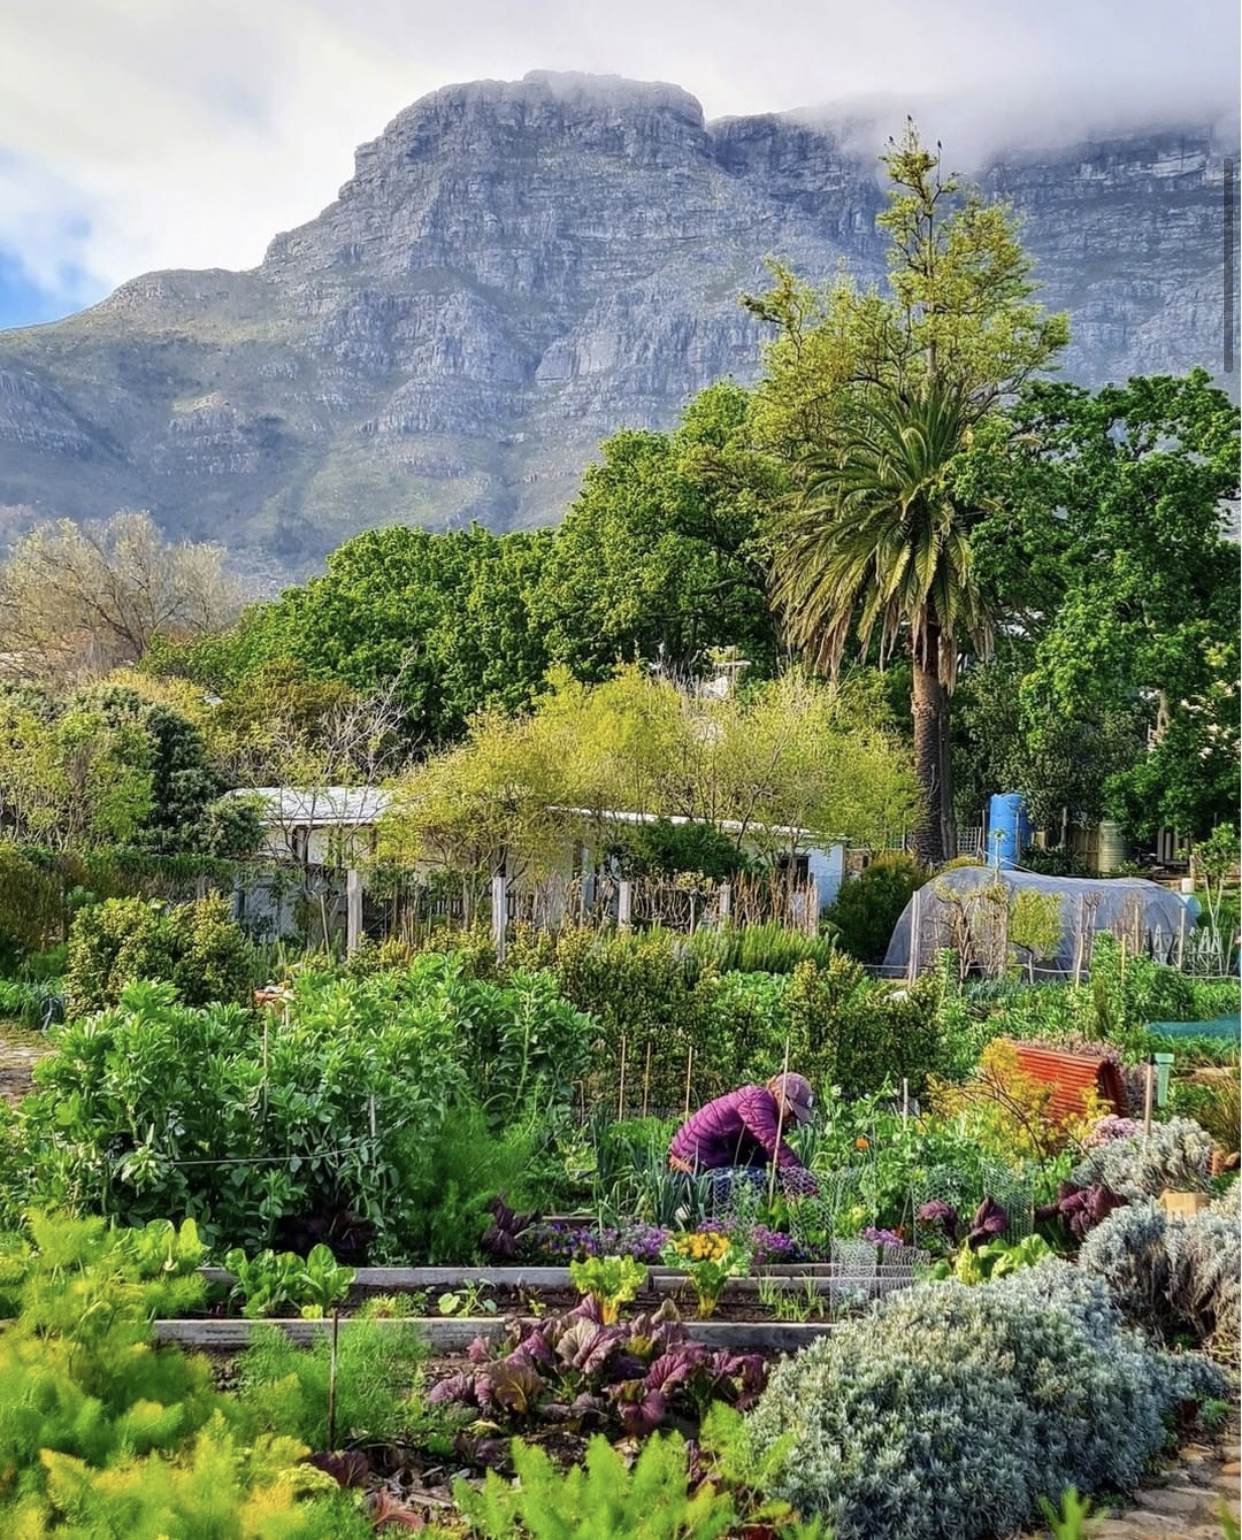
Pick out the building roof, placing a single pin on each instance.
(347, 807)
(725, 825)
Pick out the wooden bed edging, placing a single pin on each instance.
(447, 1335)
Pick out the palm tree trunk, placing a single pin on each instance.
(930, 708)
(948, 818)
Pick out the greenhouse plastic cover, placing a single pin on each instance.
(1151, 916)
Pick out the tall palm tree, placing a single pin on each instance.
(879, 539)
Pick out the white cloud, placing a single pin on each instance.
(137, 134)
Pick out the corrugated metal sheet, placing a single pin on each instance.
(1073, 1076)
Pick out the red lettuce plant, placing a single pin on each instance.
(1081, 1208)
(573, 1369)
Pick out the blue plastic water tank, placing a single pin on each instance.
(1009, 829)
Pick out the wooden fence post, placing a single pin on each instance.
(353, 909)
(912, 969)
(500, 914)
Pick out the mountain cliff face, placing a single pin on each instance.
(515, 270)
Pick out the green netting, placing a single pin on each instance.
(1220, 1026)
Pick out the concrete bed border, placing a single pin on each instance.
(449, 1335)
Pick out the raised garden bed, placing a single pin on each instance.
(746, 1308)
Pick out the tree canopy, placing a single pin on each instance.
(790, 755)
(76, 600)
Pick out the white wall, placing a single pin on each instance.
(827, 867)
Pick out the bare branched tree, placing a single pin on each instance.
(77, 600)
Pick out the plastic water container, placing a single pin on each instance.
(1009, 829)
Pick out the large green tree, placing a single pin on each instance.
(880, 542)
(875, 401)
(664, 553)
(1122, 498)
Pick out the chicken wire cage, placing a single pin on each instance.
(962, 1192)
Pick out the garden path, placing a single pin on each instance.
(1184, 1502)
(20, 1050)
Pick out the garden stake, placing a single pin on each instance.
(689, 1066)
(780, 1119)
(621, 1085)
(647, 1077)
(336, 1327)
(905, 1101)
(1181, 938)
(1082, 922)
(1147, 1094)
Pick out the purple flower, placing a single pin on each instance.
(1108, 1128)
(885, 1238)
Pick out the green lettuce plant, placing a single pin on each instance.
(610, 1281)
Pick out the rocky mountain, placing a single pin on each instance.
(517, 269)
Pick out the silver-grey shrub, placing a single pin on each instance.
(947, 1412)
(1170, 1276)
(1176, 1154)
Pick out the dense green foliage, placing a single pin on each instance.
(107, 766)
(377, 1377)
(867, 907)
(663, 554)
(671, 1004)
(400, 1096)
(197, 947)
(1128, 621)
(104, 1434)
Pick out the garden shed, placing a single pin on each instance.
(981, 913)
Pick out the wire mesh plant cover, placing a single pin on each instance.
(963, 1191)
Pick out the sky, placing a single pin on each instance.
(146, 134)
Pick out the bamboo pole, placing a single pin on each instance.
(1181, 939)
(1081, 942)
(621, 1084)
(689, 1067)
(336, 1329)
(905, 1101)
(780, 1124)
(912, 969)
(647, 1078)
(1148, 1087)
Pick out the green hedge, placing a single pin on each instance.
(197, 947)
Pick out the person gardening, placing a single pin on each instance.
(743, 1132)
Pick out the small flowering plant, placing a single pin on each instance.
(709, 1259)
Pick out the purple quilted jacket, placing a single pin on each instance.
(739, 1129)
